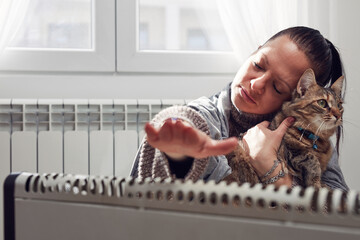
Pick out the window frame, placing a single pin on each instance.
(101, 58)
(131, 59)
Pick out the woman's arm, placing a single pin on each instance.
(333, 176)
(168, 137)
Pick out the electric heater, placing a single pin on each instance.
(65, 206)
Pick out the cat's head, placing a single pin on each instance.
(316, 108)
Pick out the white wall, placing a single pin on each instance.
(145, 86)
(345, 35)
(348, 39)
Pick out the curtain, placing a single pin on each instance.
(12, 13)
(249, 23)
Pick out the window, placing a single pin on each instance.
(170, 36)
(181, 25)
(122, 35)
(58, 35)
(151, 36)
(56, 24)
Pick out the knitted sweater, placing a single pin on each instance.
(220, 119)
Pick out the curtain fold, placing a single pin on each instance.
(249, 23)
(12, 14)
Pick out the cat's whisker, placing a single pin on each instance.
(319, 128)
(302, 124)
(313, 122)
(301, 136)
(351, 123)
(328, 127)
(316, 120)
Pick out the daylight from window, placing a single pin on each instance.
(181, 25)
(56, 24)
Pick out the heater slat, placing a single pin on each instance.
(125, 150)
(24, 152)
(50, 152)
(76, 156)
(4, 154)
(101, 153)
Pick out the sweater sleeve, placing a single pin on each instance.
(151, 162)
(333, 176)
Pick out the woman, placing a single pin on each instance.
(192, 141)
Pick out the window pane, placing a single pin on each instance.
(56, 24)
(181, 25)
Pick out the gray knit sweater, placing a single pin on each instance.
(216, 117)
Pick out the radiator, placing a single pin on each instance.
(63, 206)
(97, 137)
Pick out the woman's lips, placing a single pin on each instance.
(246, 96)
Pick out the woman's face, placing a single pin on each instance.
(268, 77)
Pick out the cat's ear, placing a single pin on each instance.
(306, 81)
(338, 85)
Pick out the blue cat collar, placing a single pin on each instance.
(309, 135)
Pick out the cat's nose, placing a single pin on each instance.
(336, 113)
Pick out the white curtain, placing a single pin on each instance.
(12, 13)
(249, 23)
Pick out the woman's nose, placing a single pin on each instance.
(258, 84)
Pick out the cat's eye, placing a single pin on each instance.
(322, 103)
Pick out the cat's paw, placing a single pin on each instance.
(315, 182)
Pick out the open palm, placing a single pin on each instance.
(178, 139)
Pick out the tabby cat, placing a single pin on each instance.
(306, 148)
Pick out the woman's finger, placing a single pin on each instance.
(264, 124)
(288, 122)
(165, 132)
(178, 131)
(151, 133)
(215, 148)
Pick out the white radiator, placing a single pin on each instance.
(97, 137)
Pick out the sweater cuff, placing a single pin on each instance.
(154, 163)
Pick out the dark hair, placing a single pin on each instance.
(323, 56)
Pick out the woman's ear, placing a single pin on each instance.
(306, 81)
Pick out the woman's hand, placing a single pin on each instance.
(178, 140)
(262, 144)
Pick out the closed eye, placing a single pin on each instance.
(258, 66)
(276, 89)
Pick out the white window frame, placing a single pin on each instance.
(131, 59)
(99, 59)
